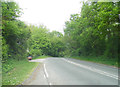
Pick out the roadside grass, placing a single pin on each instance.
(41, 57)
(101, 60)
(18, 71)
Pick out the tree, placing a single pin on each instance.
(15, 33)
(94, 31)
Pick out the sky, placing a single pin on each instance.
(51, 13)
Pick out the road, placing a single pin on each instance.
(67, 71)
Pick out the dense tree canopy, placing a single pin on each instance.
(20, 40)
(14, 32)
(95, 30)
(43, 42)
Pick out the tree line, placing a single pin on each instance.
(95, 31)
(15, 33)
(43, 42)
(20, 40)
(92, 32)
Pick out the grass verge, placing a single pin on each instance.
(20, 71)
(101, 60)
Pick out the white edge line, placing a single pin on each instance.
(94, 70)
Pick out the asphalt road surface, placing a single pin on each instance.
(67, 71)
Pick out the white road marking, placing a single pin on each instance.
(94, 69)
(50, 83)
(46, 75)
(45, 71)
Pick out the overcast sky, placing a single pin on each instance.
(51, 13)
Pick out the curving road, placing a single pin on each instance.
(67, 71)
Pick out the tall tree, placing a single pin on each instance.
(94, 31)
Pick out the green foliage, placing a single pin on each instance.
(16, 35)
(4, 50)
(14, 32)
(38, 42)
(15, 72)
(20, 40)
(93, 32)
(10, 10)
(43, 42)
(101, 60)
(57, 45)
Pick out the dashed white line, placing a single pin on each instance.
(46, 75)
(50, 83)
(94, 69)
(45, 71)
